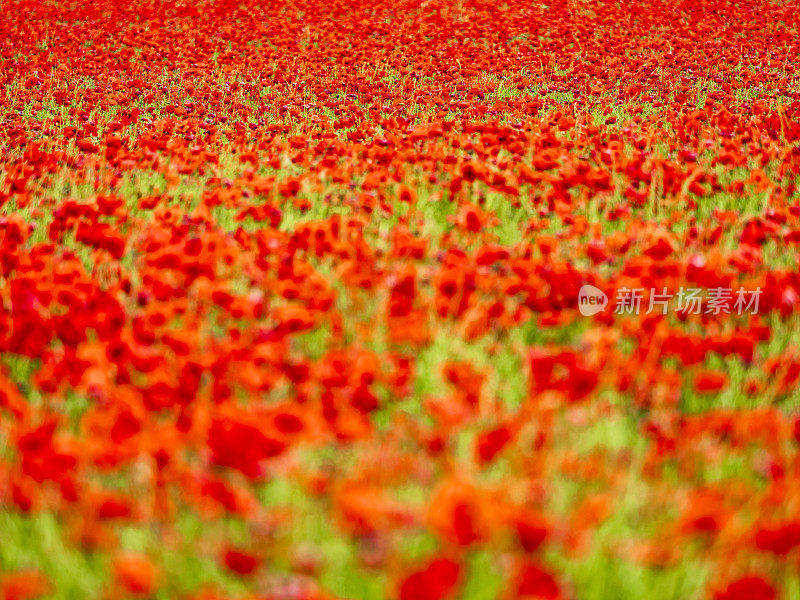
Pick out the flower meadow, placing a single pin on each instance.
(291, 300)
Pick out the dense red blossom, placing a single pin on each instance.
(293, 289)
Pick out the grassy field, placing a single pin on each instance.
(289, 300)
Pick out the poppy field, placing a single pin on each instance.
(452, 299)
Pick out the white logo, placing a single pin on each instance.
(591, 300)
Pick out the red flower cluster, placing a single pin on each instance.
(289, 298)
